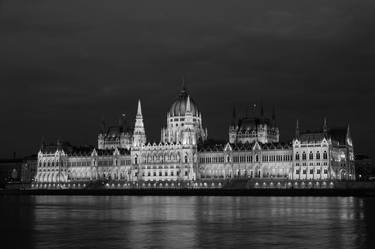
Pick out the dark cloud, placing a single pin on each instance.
(65, 65)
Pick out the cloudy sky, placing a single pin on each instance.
(65, 65)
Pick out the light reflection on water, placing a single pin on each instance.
(187, 222)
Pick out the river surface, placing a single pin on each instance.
(186, 222)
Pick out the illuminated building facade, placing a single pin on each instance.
(185, 155)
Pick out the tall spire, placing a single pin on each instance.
(139, 134)
(348, 131)
(139, 110)
(297, 129)
(188, 106)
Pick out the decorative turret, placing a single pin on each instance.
(139, 135)
(189, 135)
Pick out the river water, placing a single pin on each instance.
(186, 222)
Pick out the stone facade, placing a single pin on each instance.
(184, 154)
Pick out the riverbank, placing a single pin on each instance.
(364, 192)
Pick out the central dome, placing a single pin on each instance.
(178, 108)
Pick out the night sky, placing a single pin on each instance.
(66, 65)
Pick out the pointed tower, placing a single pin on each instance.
(188, 133)
(348, 131)
(188, 114)
(139, 135)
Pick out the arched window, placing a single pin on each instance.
(303, 156)
(136, 160)
(318, 155)
(311, 155)
(325, 155)
(297, 156)
(186, 159)
(257, 158)
(228, 159)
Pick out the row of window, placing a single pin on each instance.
(49, 164)
(311, 155)
(160, 167)
(311, 171)
(312, 164)
(85, 163)
(211, 159)
(175, 157)
(181, 119)
(247, 159)
(166, 173)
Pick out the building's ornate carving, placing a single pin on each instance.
(185, 154)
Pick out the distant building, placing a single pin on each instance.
(184, 152)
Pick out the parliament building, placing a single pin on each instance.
(185, 155)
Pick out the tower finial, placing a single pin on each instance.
(139, 110)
